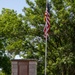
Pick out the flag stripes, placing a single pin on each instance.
(47, 22)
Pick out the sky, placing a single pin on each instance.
(17, 5)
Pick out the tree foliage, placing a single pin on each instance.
(23, 35)
(61, 41)
(9, 26)
(5, 63)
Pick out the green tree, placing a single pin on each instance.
(63, 34)
(5, 63)
(61, 41)
(9, 27)
(23, 35)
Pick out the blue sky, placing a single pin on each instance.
(17, 5)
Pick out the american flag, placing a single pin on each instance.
(47, 21)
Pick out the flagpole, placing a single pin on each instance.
(46, 57)
(46, 50)
(46, 34)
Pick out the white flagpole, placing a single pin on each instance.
(46, 46)
(46, 50)
(46, 57)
